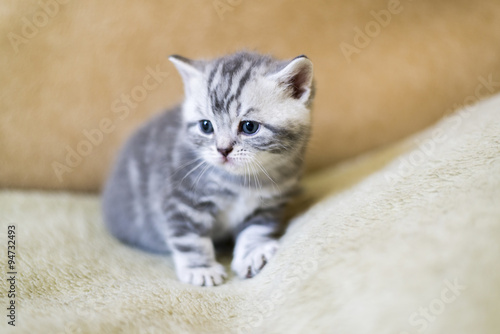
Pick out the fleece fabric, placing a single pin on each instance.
(402, 240)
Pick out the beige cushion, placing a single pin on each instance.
(403, 240)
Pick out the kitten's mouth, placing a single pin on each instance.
(227, 163)
(230, 164)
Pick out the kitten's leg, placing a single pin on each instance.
(194, 259)
(256, 243)
(187, 232)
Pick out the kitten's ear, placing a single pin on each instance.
(297, 77)
(188, 69)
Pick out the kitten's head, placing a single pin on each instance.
(247, 112)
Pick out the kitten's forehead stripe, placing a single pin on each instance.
(238, 109)
(229, 101)
(212, 75)
(216, 103)
(243, 81)
(250, 110)
(221, 83)
(229, 86)
(228, 71)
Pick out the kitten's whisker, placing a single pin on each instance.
(259, 164)
(255, 176)
(250, 174)
(199, 176)
(245, 176)
(177, 170)
(191, 171)
(185, 165)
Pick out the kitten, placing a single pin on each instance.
(224, 163)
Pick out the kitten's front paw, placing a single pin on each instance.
(247, 264)
(203, 276)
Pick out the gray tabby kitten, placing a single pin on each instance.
(225, 162)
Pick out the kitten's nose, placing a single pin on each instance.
(225, 151)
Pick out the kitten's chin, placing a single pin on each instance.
(231, 166)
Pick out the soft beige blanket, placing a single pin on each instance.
(403, 240)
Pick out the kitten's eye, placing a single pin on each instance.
(249, 127)
(206, 126)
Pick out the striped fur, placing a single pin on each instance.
(172, 189)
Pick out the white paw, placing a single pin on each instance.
(247, 264)
(203, 276)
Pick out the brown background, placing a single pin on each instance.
(64, 76)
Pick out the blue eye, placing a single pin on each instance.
(249, 127)
(206, 126)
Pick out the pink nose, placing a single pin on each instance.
(225, 151)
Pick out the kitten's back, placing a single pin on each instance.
(126, 195)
